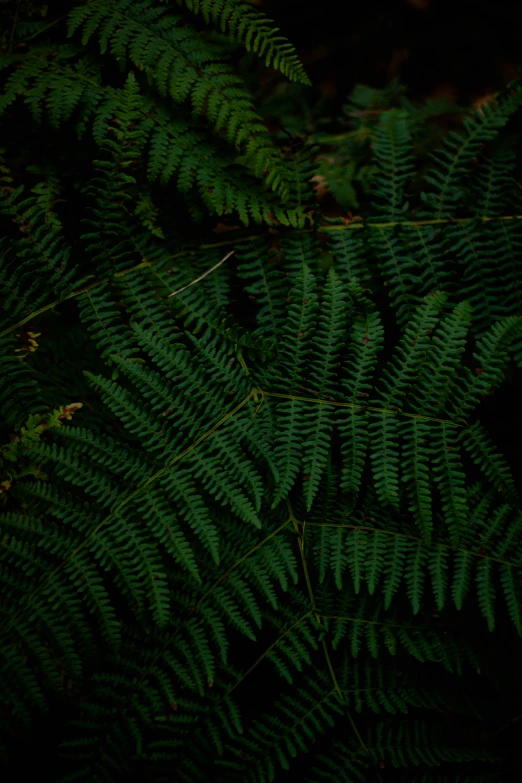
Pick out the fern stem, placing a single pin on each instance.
(209, 592)
(372, 622)
(416, 538)
(44, 29)
(268, 650)
(431, 222)
(316, 400)
(318, 616)
(52, 305)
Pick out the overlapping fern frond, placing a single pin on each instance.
(178, 65)
(462, 236)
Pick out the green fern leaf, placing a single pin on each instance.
(251, 27)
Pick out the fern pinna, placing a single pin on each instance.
(254, 526)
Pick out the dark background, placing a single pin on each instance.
(452, 47)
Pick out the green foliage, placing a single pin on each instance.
(175, 65)
(265, 545)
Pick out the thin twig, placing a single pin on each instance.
(13, 28)
(194, 251)
(202, 276)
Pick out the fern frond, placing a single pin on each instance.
(298, 332)
(451, 162)
(266, 285)
(478, 445)
(366, 340)
(147, 548)
(392, 150)
(276, 738)
(393, 387)
(349, 253)
(415, 473)
(177, 63)
(318, 424)
(243, 23)
(490, 357)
